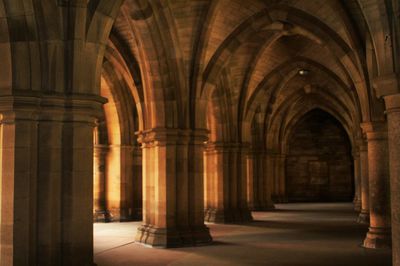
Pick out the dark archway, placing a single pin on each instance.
(319, 164)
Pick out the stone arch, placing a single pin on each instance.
(155, 35)
(341, 49)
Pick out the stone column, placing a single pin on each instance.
(363, 217)
(378, 235)
(226, 183)
(270, 172)
(280, 179)
(357, 181)
(268, 203)
(173, 206)
(138, 184)
(130, 184)
(393, 116)
(47, 179)
(124, 184)
(259, 195)
(99, 185)
(252, 181)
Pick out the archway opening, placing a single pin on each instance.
(117, 159)
(319, 165)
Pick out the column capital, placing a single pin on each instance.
(226, 146)
(172, 136)
(373, 127)
(392, 103)
(100, 148)
(58, 107)
(386, 84)
(375, 130)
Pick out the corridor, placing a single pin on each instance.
(293, 235)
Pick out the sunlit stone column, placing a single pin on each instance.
(226, 183)
(393, 116)
(123, 182)
(379, 233)
(99, 185)
(259, 195)
(173, 206)
(252, 181)
(363, 217)
(357, 180)
(137, 184)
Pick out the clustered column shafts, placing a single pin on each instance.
(226, 183)
(173, 209)
(45, 214)
(378, 235)
(259, 192)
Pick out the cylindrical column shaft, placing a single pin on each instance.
(378, 235)
(393, 117)
(363, 218)
(357, 181)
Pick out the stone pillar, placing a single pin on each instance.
(271, 179)
(357, 180)
(101, 213)
(252, 181)
(363, 217)
(268, 203)
(269, 175)
(131, 184)
(47, 179)
(226, 183)
(138, 185)
(124, 185)
(259, 196)
(280, 179)
(378, 235)
(173, 206)
(393, 116)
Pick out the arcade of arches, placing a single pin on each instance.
(177, 112)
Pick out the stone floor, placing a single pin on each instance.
(293, 235)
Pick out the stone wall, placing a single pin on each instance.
(319, 163)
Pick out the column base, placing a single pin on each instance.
(172, 238)
(102, 216)
(363, 217)
(228, 216)
(378, 238)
